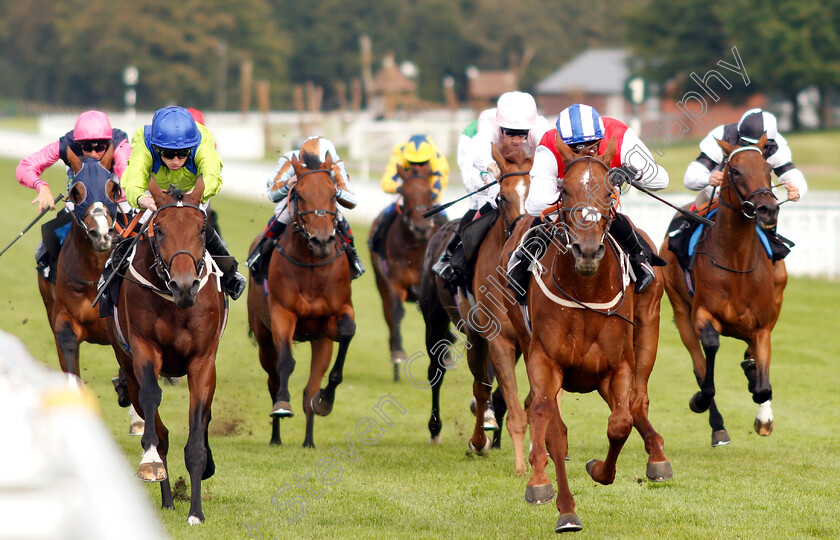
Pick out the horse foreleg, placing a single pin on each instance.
(67, 342)
(546, 382)
(763, 392)
(503, 355)
(479, 443)
(197, 455)
(616, 389)
(282, 331)
(558, 449)
(321, 356)
(437, 348)
(155, 441)
(500, 409)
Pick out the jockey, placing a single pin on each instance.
(89, 139)
(418, 150)
(175, 150)
(587, 132)
(705, 174)
(512, 125)
(280, 183)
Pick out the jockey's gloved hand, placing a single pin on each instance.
(624, 174)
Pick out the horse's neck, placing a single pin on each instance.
(594, 288)
(735, 237)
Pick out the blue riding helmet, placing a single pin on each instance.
(578, 124)
(174, 128)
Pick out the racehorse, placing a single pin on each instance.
(68, 302)
(170, 316)
(440, 307)
(737, 289)
(306, 297)
(398, 273)
(590, 332)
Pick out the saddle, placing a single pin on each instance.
(464, 258)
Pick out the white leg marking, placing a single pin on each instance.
(765, 412)
(151, 456)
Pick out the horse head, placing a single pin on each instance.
(314, 200)
(746, 184)
(586, 201)
(94, 195)
(177, 239)
(417, 198)
(514, 182)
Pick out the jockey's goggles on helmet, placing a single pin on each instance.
(94, 145)
(515, 132)
(589, 145)
(418, 163)
(171, 153)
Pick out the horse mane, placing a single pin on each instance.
(175, 192)
(310, 161)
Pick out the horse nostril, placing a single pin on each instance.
(576, 251)
(599, 253)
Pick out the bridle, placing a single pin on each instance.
(747, 207)
(405, 214)
(162, 266)
(299, 226)
(509, 225)
(589, 213)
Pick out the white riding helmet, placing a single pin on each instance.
(516, 110)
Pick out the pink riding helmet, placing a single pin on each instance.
(91, 125)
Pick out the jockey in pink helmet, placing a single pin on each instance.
(90, 138)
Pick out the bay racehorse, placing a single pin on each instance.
(69, 302)
(306, 297)
(489, 319)
(590, 332)
(398, 272)
(737, 288)
(170, 316)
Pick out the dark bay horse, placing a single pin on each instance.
(590, 332)
(73, 319)
(307, 297)
(171, 314)
(737, 289)
(398, 273)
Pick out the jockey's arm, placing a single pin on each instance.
(786, 171)
(698, 173)
(209, 164)
(634, 152)
(279, 183)
(121, 155)
(29, 172)
(391, 179)
(440, 175)
(345, 195)
(135, 179)
(544, 182)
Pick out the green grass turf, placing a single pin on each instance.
(400, 486)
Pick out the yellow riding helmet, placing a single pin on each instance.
(419, 149)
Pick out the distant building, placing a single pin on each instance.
(485, 87)
(392, 91)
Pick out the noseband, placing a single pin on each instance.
(589, 214)
(405, 214)
(299, 225)
(747, 207)
(160, 265)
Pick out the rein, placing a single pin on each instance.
(405, 214)
(161, 266)
(298, 225)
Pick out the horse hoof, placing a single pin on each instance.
(720, 438)
(591, 465)
(137, 428)
(568, 523)
(321, 406)
(763, 428)
(153, 471)
(484, 451)
(490, 423)
(540, 494)
(695, 406)
(281, 409)
(659, 472)
(434, 440)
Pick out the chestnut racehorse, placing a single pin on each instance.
(398, 273)
(170, 316)
(737, 289)
(305, 298)
(590, 332)
(73, 318)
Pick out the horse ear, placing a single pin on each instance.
(328, 161)
(296, 165)
(113, 190)
(762, 141)
(155, 192)
(609, 153)
(108, 157)
(73, 160)
(198, 190)
(725, 146)
(400, 170)
(77, 193)
(565, 152)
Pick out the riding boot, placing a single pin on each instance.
(779, 245)
(273, 230)
(45, 264)
(357, 268)
(442, 267)
(232, 281)
(529, 251)
(628, 239)
(377, 239)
